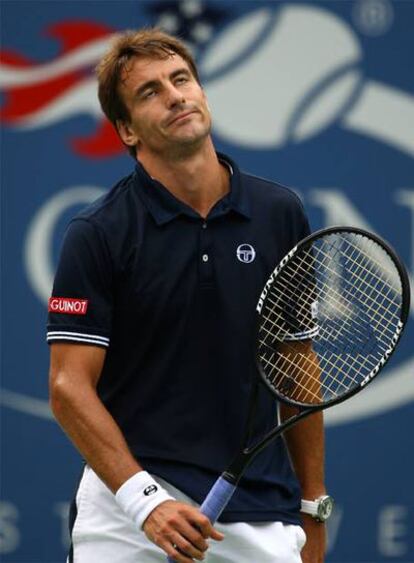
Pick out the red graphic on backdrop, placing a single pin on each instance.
(41, 94)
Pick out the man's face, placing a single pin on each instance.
(167, 106)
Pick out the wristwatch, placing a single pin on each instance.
(320, 509)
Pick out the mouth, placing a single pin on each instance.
(181, 117)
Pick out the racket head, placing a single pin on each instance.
(330, 316)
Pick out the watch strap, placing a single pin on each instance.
(309, 507)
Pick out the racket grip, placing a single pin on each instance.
(216, 501)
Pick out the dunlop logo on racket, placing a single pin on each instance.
(272, 278)
(387, 354)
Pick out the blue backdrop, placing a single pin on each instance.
(316, 95)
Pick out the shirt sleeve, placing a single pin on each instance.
(299, 304)
(81, 305)
(298, 307)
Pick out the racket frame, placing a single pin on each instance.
(235, 471)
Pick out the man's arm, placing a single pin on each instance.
(74, 373)
(305, 442)
(306, 446)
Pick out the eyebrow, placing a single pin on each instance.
(153, 83)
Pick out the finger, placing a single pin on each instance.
(193, 535)
(206, 528)
(173, 551)
(186, 548)
(216, 535)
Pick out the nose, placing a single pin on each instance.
(174, 97)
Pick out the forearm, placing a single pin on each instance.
(305, 443)
(94, 432)
(175, 527)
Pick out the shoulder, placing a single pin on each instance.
(114, 206)
(277, 210)
(265, 190)
(273, 200)
(110, 223)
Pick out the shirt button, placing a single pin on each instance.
(205, 257)
(204, 225)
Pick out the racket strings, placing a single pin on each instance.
(352, 346)
(376, 297)
(302, 317)
(351, 350)
(357, 285)
(297, 364)
(362, 266)
(330, 335)
(306, 390)
(304, 378)
(340, 306)
(333, 361)
(346, 295)
(369, 259)
(369, 283)
(307, 387)
(340, 303)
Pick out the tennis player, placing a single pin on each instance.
(151, 326)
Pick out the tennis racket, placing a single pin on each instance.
(328, 320)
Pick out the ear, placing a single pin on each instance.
(127, 134)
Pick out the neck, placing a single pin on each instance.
(197, 179)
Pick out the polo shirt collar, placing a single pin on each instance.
(164, 206)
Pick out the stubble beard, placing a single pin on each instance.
(184, 148)
(181, 147)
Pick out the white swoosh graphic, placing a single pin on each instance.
(395, 390)
(261, 115)
(38, 245)
(79, 58)
(25, 404)
(79, 99)
(384, 113)
(384, 394)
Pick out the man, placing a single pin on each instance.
(151, 328)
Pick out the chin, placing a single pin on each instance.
(194, 135)
(184, 146)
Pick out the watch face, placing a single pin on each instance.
(325, 508)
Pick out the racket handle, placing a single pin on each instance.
(216, 501)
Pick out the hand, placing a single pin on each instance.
(315, 546)
(180, 530)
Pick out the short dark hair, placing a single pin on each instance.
(147, 42)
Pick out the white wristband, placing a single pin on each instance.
(139, 496)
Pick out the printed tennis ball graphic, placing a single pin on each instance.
(275, 76)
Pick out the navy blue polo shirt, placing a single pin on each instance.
(172, 297)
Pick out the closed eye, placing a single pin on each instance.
(181, 80)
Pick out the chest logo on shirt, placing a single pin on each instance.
(246, 253)
(68, 305)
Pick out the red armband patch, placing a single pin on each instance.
(68, 305)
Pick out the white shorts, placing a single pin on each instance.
(102, 533)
